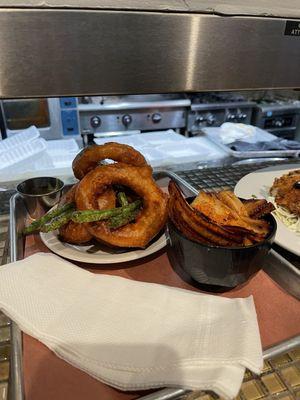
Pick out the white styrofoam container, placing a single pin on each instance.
(212, 150)
(19, 139)
(163, 148)
(192, 151)
(63, 160)
(154, 156)
(156, 138)
(161, 137)
(22, 156)
(132, 140)
(62, 146)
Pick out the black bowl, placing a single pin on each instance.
(218, 268)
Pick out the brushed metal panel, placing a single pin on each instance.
(264, 8)
(76, 52)
(141, 120)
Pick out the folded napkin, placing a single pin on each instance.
(133, 335)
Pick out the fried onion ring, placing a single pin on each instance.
(151, 218)
(91, 156)
(76, 233)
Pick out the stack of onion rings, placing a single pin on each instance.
(95, 191)
(91, 156)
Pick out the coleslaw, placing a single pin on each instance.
(292, 221)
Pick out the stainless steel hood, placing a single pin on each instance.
(66, 51)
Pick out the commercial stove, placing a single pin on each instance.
(280, 117)
(107, 115)
(215, 108)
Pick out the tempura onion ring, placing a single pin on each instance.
(91, 156)
(152, 217)
(76, 233)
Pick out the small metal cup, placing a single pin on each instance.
(40, 194)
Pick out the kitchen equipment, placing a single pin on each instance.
(218, 268)
(281, 117)
(40, 194)
(55, 118)
(146, 47)
(106, 114)
(213, 109)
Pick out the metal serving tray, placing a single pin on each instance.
(210, 134)
(18, 215)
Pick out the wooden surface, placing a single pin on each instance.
(48, 377)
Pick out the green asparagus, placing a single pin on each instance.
(100, 215)
(36, 225)
(57, 222)
(116, 217)
(123, 219)
(122, 199)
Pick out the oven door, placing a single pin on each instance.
(44, 113)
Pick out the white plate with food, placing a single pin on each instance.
(259, 183)
(96, 253)
(115, 213)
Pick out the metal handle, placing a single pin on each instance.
(273, 265)
(166, 394)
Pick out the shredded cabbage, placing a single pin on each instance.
(292, 221)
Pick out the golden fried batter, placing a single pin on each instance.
(151, 218)
(286, 195)
(73, 232)
(91, 156)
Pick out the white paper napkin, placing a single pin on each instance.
(133, 335)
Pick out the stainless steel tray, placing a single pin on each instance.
(16, 390)
(250, 154)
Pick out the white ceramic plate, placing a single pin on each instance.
(97, 254)
(258, 184)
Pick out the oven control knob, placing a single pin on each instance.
(156, 118)
(95, 122)
(127, 119)
(199, 120)
(210, 119)
(242, 116)
(278, 123)
(231, 117)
